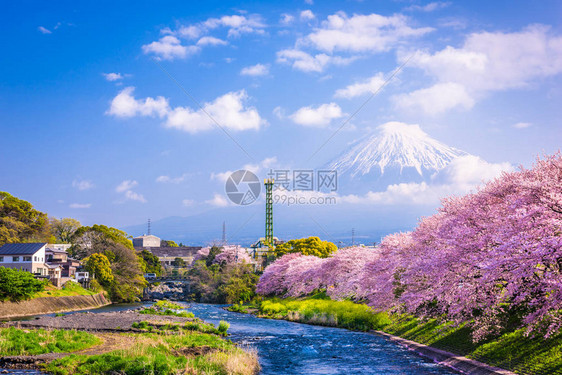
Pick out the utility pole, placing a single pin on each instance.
(352, 236)
(148, 227)
(224, 232)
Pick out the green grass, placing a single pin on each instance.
(15, 341)
(163, 354)
(167, 308)
(69, 289)
(164, 304)
(345, 314)
(512, 350)
(196, 325)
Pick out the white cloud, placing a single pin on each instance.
(131, 195)
(436, 99)
(80, 205)
(126, 185)
(522, 125)
(469, 171)
(493, 61)
(362, 33)
(320, 116)
(113, 76)
(309, 2)
(171, 180)
(255, 70)
(462, 175)
(429, 7)
(229, 110)
(190, 31)
(361, 88)
(125, 105)
(286, 19)
(279, 112)
(265, 164)
(44, 30)
(305, 62)
(168, 48)
(237, 24)
(82, 184)
(307, 15)
(218, 201)
(187, 202)
(211, 41)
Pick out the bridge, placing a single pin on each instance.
(163, 279)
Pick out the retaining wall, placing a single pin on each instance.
(48, 305)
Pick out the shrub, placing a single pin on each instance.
(223, 327)
(17, 285)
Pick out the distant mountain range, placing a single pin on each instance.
(397, 153)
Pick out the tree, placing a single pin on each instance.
(20, 222)
(307, 246)
(17, 285)
(213, 252)
(64, 229)
(178, 262)
(126, 265)
(98, 266)
(151, 262)
(169, 243)
(492, 259)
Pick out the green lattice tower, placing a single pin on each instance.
(269, 213)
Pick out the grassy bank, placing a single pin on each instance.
(511, 350)
(155, 346)
(151, 353)
(68, 289)
(15, 341)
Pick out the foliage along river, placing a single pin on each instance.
(287, 348)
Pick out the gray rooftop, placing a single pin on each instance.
(21, 248)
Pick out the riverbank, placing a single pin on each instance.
(513, 350)
(50, 305)
(159, 340)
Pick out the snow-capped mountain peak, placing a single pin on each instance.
(396, 145)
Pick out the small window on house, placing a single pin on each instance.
(1, 259)
(35, 259)
(16, 259)
(27, 259)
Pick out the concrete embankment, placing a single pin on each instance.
(459, 363)
(48, 305)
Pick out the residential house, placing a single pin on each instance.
(56, 255)
(29, 257)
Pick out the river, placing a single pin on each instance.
(287, 348)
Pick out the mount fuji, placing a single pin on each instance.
(397, 153)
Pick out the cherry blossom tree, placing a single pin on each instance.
(483, 258)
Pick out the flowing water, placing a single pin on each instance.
(287, 348)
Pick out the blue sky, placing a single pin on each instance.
(94, 128)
